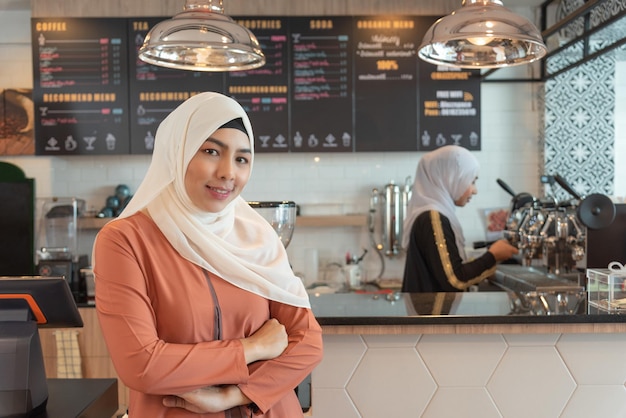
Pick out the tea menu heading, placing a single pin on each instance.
(330, 84)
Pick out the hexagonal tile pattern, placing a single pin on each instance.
(531, 382)
(461, 402)
(441, 375)
(461, 359)
(391, 341)
(575, 350)
(332, 403)
(596, 401)
(398, 373)
(342, 354)
(531, 339)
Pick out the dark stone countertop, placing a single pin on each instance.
(477, 308)
(530, 297)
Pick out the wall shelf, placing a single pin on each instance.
(331, 220)
(301, 221)
(92, 223)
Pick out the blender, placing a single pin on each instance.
(57, 249)
(281, 215)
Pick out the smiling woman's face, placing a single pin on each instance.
(219, 171)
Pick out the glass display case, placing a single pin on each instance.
(606, 290)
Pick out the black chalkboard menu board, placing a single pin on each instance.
(330, 84)
(264, 92)
(385, 81)
(321, 84)
(155, 91)
(80, 86)
(450, 107)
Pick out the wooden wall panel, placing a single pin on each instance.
(145, 8)
(94, 354)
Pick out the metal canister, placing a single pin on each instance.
(392, 221)
(406, 194)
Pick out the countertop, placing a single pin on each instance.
(86, 398)
(478, 308)
(521, 303)
(490, 306)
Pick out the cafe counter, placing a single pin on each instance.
(487, 354)
(466, 354)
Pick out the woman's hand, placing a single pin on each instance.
(210, 399)
(266, 343)
(502, 250)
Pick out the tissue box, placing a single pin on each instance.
(606, 290)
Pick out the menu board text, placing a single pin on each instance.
(330, 84)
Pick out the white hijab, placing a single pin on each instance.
(237, 244)
(442, 177)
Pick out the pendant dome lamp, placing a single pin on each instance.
(202, 38)
(482, 34)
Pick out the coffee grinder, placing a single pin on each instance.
(281, 215)
(57, 249)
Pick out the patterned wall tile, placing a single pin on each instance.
(579, 127)
(579, 115)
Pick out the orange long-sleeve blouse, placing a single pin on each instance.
(171, 327)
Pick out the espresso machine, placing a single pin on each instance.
(553, 238)
(553, 234)
(57, 243)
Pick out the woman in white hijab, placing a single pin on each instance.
(432, 234)
(198, 304)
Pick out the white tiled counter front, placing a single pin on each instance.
(561, 366)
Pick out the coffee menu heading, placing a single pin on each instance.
(330, 84)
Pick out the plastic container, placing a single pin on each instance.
(606, 290)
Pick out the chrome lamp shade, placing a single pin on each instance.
(202, 38)
(482, 34)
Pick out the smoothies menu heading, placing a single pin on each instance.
(330, 84)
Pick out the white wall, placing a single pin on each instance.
(510, 151)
